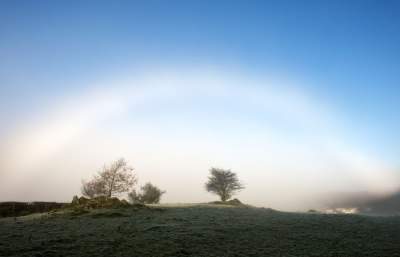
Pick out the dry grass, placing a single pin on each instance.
(199, 230)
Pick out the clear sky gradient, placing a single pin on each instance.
(149, 79)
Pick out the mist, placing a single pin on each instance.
(288, 144)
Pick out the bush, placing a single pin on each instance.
(134, 197)
(150, 194)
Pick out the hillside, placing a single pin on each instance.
(198, 230)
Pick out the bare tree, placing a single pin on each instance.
(223, 183)
(114, 179)
(93, 188)
(88, 189)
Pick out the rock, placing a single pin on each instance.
(235, 202)
(98, 202)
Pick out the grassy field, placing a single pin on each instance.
(198, 230)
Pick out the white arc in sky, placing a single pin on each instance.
(282, 142)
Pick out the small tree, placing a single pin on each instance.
(149, 194)
(114, 179)
(223, 183)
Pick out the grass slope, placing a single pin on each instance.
(199, 230)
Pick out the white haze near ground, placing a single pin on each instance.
(286, 145)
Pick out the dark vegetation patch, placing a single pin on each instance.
(78, 206)
(15, 209)
(108, 215)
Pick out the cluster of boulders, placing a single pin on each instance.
(98, 202)
(234, 202)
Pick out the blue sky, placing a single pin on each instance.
(345, 54)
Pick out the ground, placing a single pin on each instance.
(199, 230)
